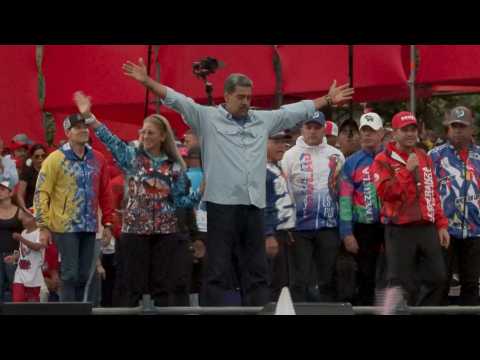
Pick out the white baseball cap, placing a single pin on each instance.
(371, 119)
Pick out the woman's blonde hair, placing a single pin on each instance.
(168, 146)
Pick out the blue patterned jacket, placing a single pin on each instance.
(458, 186)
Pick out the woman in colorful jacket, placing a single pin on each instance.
(152, 255)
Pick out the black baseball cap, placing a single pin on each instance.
(72, 120)
(282, 135)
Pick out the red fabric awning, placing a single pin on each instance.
(20, 107)
(379, 73)
(95, 69)
(255, 61)
(308, 70)
(455, 89)
(449, 65)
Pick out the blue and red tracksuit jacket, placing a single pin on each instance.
(407, 197)
(458, 186)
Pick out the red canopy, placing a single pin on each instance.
(96, 70)
(379, 73)
(449, 65)
(255, 61)
(308, 70)
(20, 107)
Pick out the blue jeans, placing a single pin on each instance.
(7, 274)
(77, 256)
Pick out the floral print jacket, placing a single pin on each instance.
(155, 187)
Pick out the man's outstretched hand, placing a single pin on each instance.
(136, 71)
(340, 94)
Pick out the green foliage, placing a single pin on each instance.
(431, 110)
(41, 80)
(49, 127)
(48, 120)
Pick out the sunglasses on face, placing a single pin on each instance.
(40, 156)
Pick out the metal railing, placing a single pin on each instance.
(423, 310)
(239, 310)
(147, 307)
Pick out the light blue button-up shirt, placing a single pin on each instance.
(234, 156)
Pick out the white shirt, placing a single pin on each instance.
(29, 268)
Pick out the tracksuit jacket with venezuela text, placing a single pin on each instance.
(358, 196)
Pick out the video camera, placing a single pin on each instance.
(205, 67)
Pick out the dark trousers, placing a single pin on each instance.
(107, 284)
(403, 245)
(198, 270)
(278, 267)
(236, 244)
(320, 248)
(370, 238)
(7, 274)
(159, 265)
(467, 252)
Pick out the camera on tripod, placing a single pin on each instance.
(205, 67)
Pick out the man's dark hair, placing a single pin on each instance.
(348, 126)
(235, 80)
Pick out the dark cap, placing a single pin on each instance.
(282, 135)
(296, 129)
(72, 120)
(317, 117)
(460, 114)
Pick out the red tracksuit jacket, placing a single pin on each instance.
(407, 197)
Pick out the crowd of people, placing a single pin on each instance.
(248, 203)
